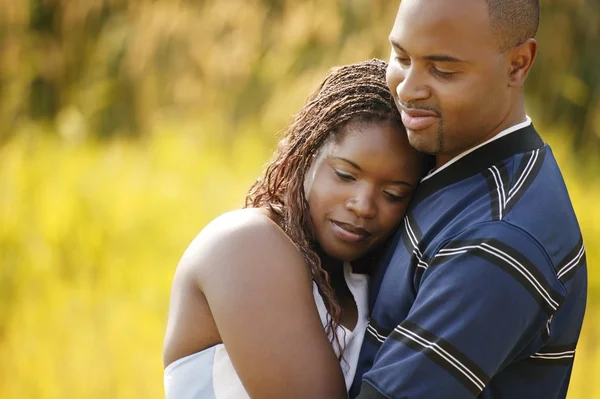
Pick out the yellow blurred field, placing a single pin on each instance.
(91, 232)
(114, 122)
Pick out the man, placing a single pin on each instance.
(482, 293)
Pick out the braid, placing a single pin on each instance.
(356, 93)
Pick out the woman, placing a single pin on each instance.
(254, 291)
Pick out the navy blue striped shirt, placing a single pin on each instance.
(482, 292)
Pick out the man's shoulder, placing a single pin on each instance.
(526, 191)
(539, 204)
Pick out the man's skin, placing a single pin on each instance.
(454, 84)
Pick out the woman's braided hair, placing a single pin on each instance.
(349, 94)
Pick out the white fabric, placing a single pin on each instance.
(352, 340)
(209, 374)
(225, 380)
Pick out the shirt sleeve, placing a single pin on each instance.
(483, 297)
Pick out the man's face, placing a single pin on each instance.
(448, 75)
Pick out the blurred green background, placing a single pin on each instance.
(126, 125)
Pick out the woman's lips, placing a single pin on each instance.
(350, 233)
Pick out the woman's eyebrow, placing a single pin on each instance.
(402, 182)
(355, 165)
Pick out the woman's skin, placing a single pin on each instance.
(243, 282)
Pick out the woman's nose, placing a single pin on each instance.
(363, 205)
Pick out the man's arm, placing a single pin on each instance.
(484, 296)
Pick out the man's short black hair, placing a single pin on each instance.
(514, 21)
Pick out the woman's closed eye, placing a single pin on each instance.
(344, 176)
(395, 197)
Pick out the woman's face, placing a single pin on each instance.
(359, 186)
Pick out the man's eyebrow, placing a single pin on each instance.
(396, 44)
(443, 58)
(436, 57)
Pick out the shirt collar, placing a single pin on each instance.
(503, 133)
(474, 161)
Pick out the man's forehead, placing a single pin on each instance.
(443, 26)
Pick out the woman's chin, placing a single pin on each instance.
(342, 251)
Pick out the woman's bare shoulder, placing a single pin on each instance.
(239, 222)
(260, 295)
(242, 241)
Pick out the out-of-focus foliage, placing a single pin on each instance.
(126, 125)
(122, 66)
(565, 83)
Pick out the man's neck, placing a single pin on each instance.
(506, 123)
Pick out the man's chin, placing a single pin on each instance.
(422, 141)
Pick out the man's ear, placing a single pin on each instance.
(521, 59)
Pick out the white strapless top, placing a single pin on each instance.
(209, 374)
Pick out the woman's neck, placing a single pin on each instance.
(328, 263)
(335, 270)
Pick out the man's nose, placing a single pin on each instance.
(412, 86)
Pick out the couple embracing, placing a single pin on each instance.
(412, 237)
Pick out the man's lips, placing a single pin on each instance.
(350, 233)
(417, 119)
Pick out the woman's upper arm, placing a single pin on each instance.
(260, 294)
